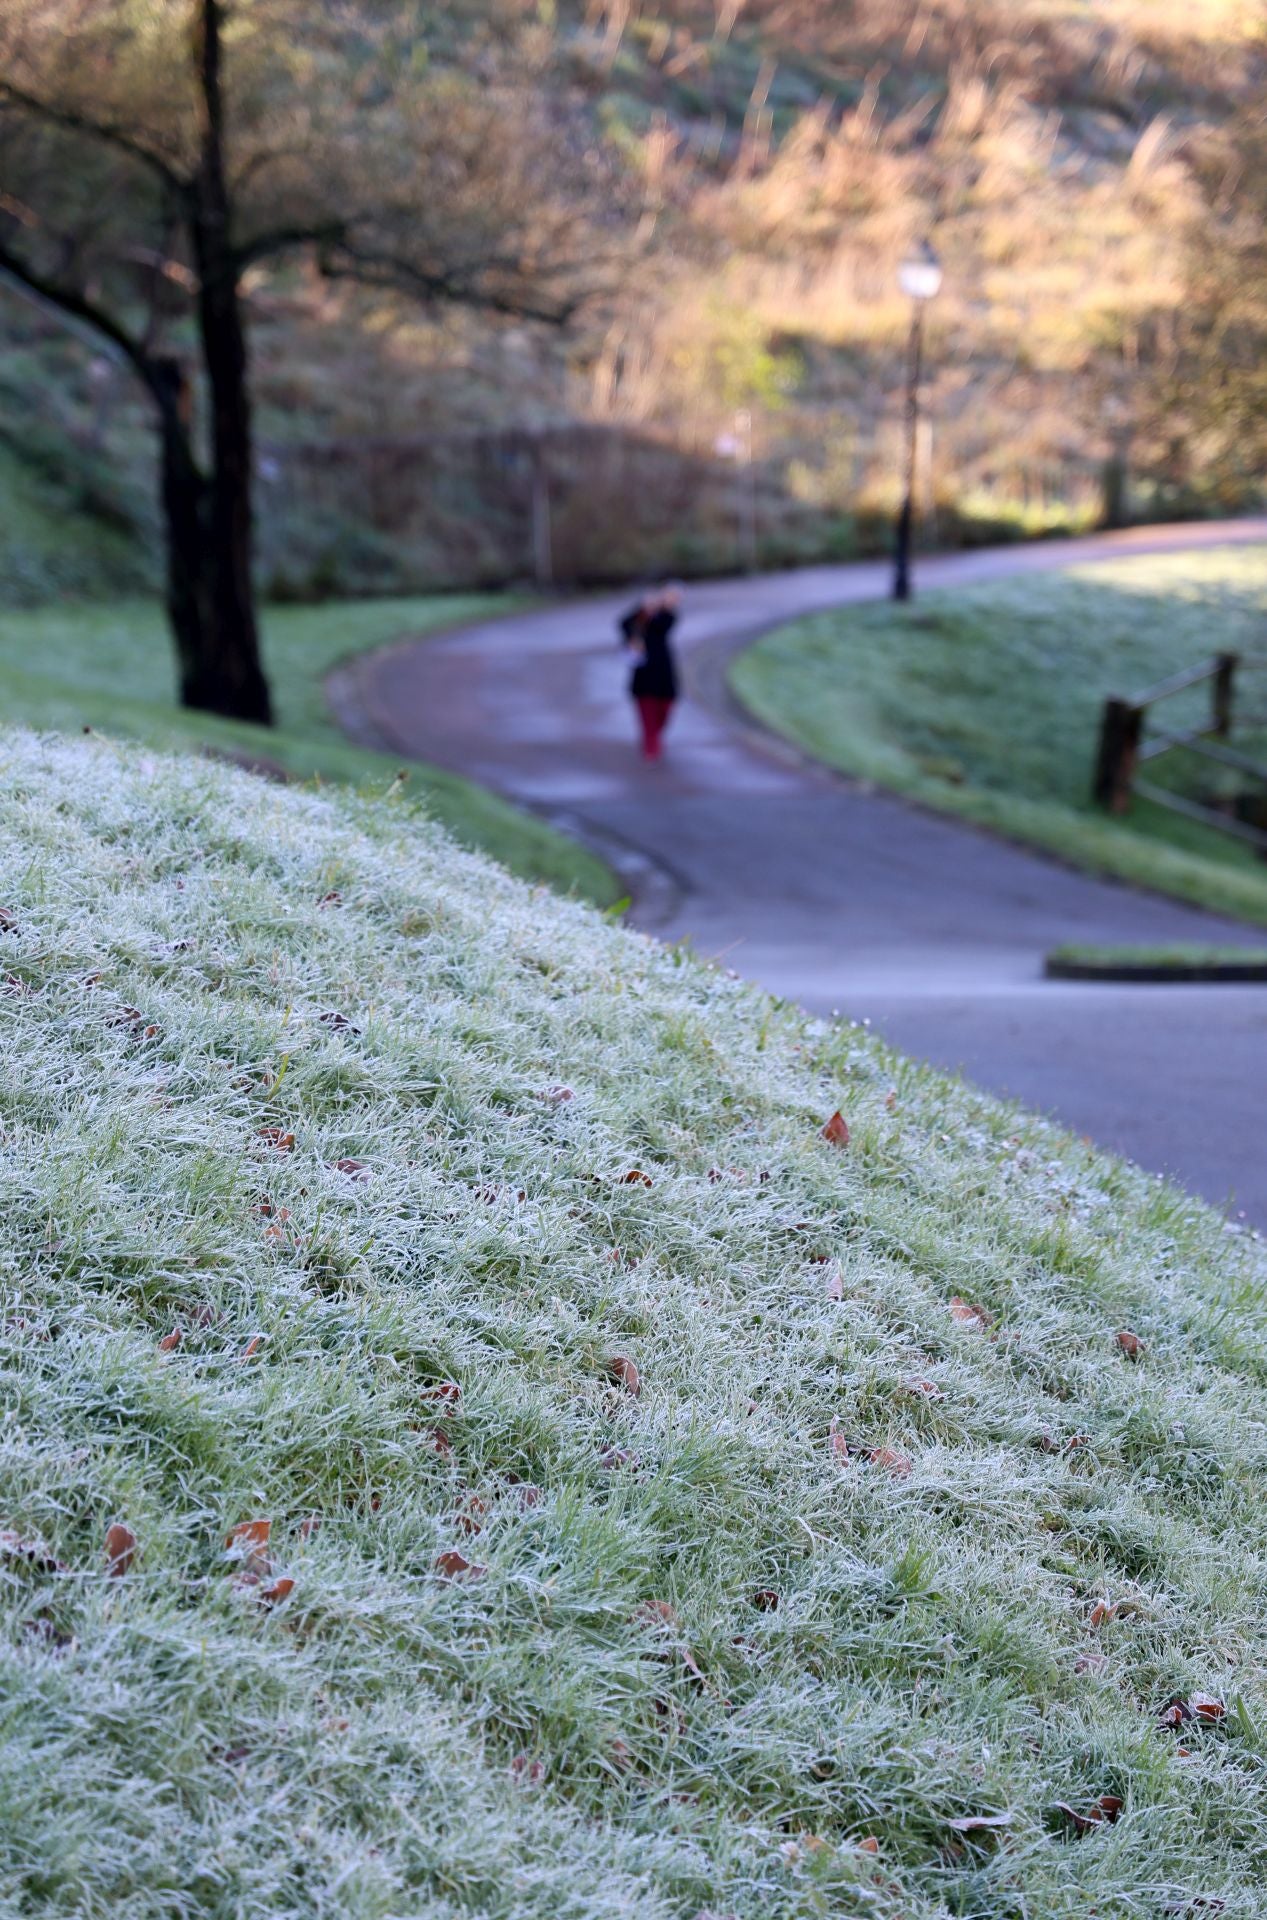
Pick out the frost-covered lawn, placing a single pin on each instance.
(109, 666)
(350, 1186)
(985, 702)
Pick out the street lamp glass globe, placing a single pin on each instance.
(920, 275)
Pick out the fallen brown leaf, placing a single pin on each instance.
(868, 1844)
(839, 1444)
(967, 1315)
(471, 1518)
(837, 1130)
(447, 1393)
(276, 1137)
(656, 1613)
(453, 1564)
(309, 1525)
(277, 1591)
(1102, 1612)
(636, 1177)
(249, 1541)
(332, 899)
(528, 1770)
(251, 1348)
(835, 1283)
(1091, 1662)
(1130, 1343)
(27, 1551)
(120, 1549)
(1206, 1707)
(355, 1169)
(923, 1389)
(625, 1373)
(1101, 1813)
(613, 1457)
(766, 1599)
(170, 1341)
(893, 1460)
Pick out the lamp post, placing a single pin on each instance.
(919, 277)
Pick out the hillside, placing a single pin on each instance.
(768, 162)
(670, 1510)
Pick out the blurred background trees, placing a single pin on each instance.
(732, 183)
(159, 160)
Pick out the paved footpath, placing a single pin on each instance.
(838, 896)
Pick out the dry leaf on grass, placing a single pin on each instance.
(611, 1458)
(27, 1551)
(625, 1373)
(836, 1132)
(868, 1844)
(251, 1348)
(656, 1613)
(454, 1565)
(354, 1169)
(835, 1282)
(528, 1770)
(966, 1314)
(276, 1591)
(636, 1177)
(1130, 1343)
(766, 1600)
(1101, 1813)
(170, 1341)
(120, 1549)
(447, 1393)
(248, 1542)
(277, 1137)
(1102, 1612)
(893, 1460)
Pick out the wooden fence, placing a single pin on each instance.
(1128, 742)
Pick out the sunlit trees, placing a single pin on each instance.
(157, 156)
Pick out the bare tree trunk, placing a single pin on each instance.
(229, 678)
(185, 500)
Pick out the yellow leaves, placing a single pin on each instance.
(836, 1132)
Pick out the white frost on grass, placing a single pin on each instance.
(537, 1741)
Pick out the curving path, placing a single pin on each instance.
(835, 895)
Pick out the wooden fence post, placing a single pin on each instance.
(1224, 685)
(1119, 747)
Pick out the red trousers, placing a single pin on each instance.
(653, 712)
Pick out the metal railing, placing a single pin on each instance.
(1125, 748)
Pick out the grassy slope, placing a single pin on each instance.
(110, 666)
(986, 703)
(170, 1747)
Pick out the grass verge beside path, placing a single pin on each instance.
(670, 1510)
(985, 703)
(110, 667)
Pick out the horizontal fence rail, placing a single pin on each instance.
(1124, 749)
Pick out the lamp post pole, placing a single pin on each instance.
(920, 279)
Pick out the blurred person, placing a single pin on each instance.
(653, 685)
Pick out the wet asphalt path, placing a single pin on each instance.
(838, 896)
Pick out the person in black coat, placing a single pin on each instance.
(647, 629)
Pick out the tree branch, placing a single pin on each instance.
(102, 130)
(76, 308)
(379, 267)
